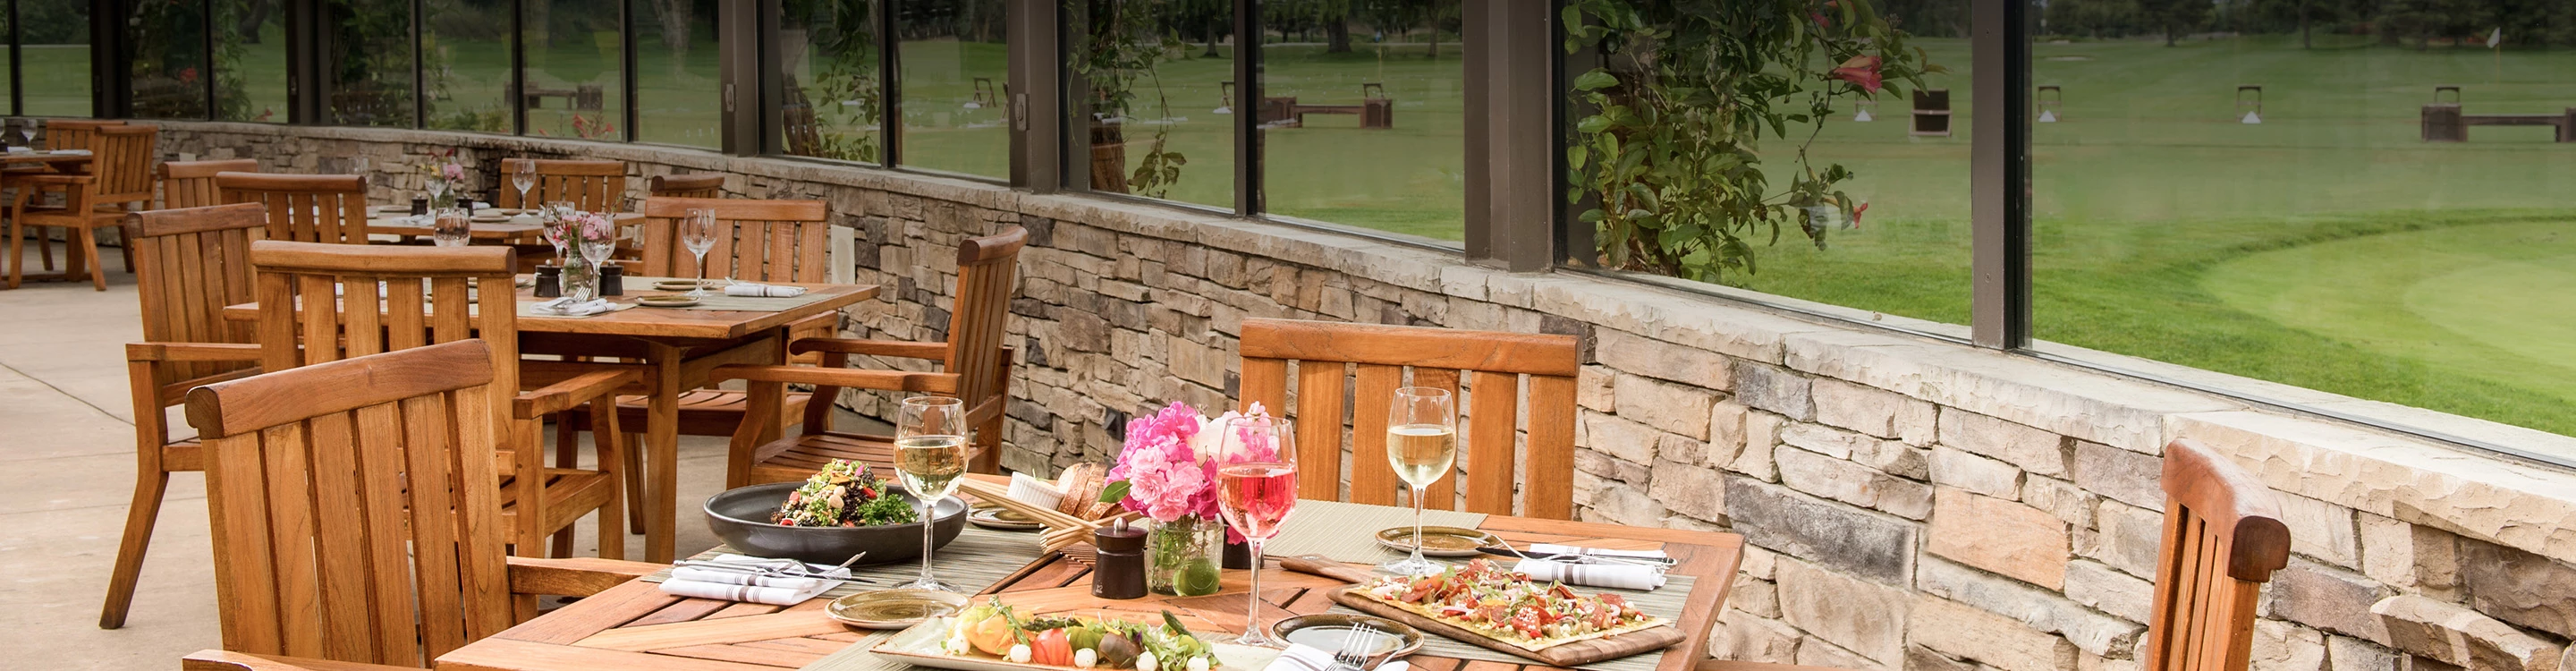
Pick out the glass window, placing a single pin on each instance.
(1363, 114)
(465, 46)
(2312, 199)
(835, 93)
(54, 57)
(250, 60)
(679, 92)
(166, 54)
(1160, 114)
(370, 56)
(1842, 178)
(576, 83)
(955, 110)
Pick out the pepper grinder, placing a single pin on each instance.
(1119, 573)
(549, 281)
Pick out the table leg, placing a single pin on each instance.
(662, 453)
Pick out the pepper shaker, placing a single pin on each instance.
(612, 279)
(1119, 573)
(549, 282)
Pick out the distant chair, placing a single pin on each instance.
(75, 133)
(119, 181)
(699, 185)
(187, 184)
(1931, 113)
(304, 208)
(591, 186)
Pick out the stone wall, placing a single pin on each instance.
(1909, 503)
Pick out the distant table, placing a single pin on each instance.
(67, 163)
(510, 232)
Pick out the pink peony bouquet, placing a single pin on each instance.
(1167, 468)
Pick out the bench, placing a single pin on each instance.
(1374, 109)
(585, 98)
(2444, 122)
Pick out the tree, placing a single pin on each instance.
(2174, 18)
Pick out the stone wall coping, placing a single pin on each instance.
(2483, 496)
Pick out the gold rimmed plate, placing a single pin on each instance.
(893, 608)
(1438, 541)
(1329, 631)
(677, 285)
(1002, 519)
(666, 301)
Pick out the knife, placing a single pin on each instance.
(1507, 551)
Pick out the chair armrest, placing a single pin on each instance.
(895, 348)
(226, 660)
(571, 393)
(888, 380)
(190, 351)
(58, 179)
(575, 576)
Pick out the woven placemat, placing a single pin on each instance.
(719, 301)
(1347, 532)
(857, 658)
(977, 558)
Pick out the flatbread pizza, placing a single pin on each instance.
(1507, 606)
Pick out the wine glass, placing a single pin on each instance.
(524, 177)
(27, 132)
(698, 233)
(1421, 443)
(555, 229)
(358, 165)
(450, 229)
(1256, 489)
(437, 188)
(598, 251)
(929, 455)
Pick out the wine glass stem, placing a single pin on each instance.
(1252, 616)
(1417, 526)
(928, 507)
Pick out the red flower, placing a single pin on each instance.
(1861, 71)
(188, 76)
(1864, 207)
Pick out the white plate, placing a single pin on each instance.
(920, 645)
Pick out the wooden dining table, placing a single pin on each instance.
(676, 348)
(513, 231)
(636, 626)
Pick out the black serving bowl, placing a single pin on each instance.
(741, 518)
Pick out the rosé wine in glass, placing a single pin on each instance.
(1256, 497)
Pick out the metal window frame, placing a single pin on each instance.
(1248, 39)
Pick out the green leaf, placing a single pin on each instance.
(1592, 124)
(1115, 492)
(1577, 155)
(1595, 80)
(1591, 216)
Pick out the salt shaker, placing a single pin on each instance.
(1119, 573)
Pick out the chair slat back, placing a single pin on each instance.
(988, 268)
(192, 183)
(756, 240)
(122, 161)
(188, 264)
(1488, 366)
(304, 208)
(75, 133)
(700, 185)
(592, 186)
(354, 506)
(2223, 538)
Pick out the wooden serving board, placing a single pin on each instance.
(1567, 655)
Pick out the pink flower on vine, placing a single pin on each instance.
(1861, 71)
(188, 76)
(453, 172)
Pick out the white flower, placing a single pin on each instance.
(1204, 443)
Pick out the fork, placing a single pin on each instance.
(1350, 653)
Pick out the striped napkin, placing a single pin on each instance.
(1302, 657)
(1550, 548)
(1621, 576)
(728, 585)
(756, 290)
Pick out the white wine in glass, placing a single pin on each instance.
(929, 457)
(1421, 445)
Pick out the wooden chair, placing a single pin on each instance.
(304, 208)
(975, 364)
(59, 134)
(120, 181)
(592, 186)
(365, 525)
(700, 185)
(192, 183)
(193, 263)
(1489, 362)
(537, 501)
(2223, 539)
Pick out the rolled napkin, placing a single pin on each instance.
(22, 150)
(757, 290)
(1621, 576)
(729, 585)
(565, 307)
(72, 152)
(1302, 657)
(1554, 549)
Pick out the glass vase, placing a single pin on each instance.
(580, 279)
(1181, 556)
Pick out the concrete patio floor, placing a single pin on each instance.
(67, 473)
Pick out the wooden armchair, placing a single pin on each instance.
(63, 134)
(2223, 538)
(364, 526)
(1490, 459)
(193, 262)
(304, 208)
(977, 368)
(537, 501)
(699, 185)
(591, 186)
(192, 183)
(120, 181)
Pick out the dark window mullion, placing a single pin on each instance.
(889, 74)
(1247, 116)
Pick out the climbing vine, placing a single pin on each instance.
(1670, 151)
(1118, 46)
